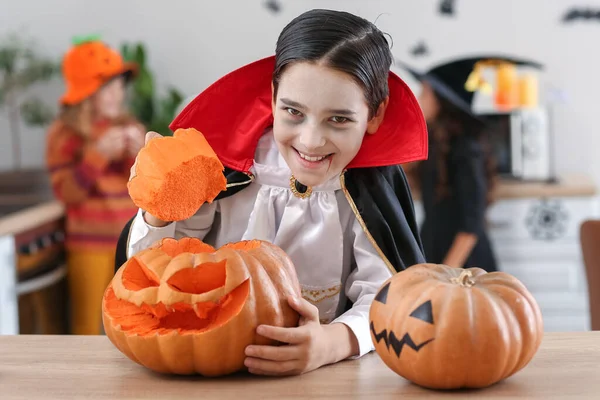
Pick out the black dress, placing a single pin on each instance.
(462, 210)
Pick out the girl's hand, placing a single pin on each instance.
(112, 144)
(135, 139)
(149, 218)
(306, 347)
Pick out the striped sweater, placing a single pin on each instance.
(92, 188)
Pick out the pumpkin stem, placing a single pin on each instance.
(464, 279)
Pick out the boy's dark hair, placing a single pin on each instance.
(342, 41)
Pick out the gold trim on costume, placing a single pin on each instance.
(295, 191)
(249, 174)
(364, 226)
(318, 295)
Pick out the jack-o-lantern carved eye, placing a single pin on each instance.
(382, 295)
(201, 279)
(423, 312)
(150, 318)
(137, 276)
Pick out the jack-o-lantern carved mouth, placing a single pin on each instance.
(423, 312)
(390, 339)
(186, 318)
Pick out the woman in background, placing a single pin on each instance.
(456, 182)
(91, 148)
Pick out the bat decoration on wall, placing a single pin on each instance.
(420, 49)
(576, 14)
(273, 6)
(447, 7)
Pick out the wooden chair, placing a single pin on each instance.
(590, 247)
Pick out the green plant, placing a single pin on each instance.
(20, 68)
(154, 112)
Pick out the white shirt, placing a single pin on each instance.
(334, 260)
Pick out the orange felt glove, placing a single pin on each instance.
(175, 175)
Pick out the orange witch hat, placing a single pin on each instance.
(90, 64)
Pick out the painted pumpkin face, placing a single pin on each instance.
(183, 307)
(450, 328)
(423, 313)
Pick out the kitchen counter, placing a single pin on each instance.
(26, 201)
(572, 185)
(32, 269)
(14, 223)
(83, 367)
(568, 185)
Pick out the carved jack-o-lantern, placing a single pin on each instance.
(183, 307)
(449, 328)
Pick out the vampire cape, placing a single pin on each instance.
(235, 111)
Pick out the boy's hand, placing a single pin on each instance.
(305, 348)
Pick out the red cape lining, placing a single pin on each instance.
(234, 112)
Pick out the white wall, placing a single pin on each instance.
(194, 42)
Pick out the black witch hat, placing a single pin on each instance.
(459, 79)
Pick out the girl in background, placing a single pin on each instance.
(457, 180)
(91, 147)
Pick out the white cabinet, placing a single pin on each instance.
(537, 241)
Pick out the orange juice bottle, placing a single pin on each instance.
(528, 91)
(507, 94)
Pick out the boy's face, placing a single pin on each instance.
(320, 119)
(108, 101)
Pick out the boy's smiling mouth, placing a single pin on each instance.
(312, 158)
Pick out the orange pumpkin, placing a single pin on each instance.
(175, 175)
(450, 328)
(183, 307)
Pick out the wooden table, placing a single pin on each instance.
(567, 366)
